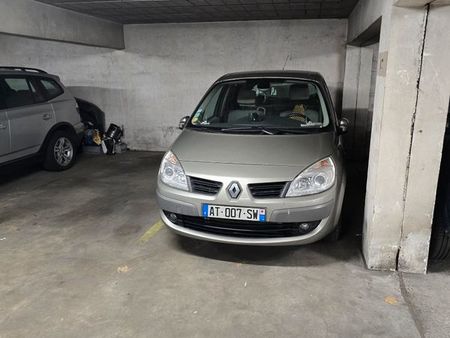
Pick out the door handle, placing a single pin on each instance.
(47, 116)
(2, 126)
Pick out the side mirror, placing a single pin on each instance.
(343, 125)
(183, 122)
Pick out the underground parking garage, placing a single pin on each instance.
(122, 220)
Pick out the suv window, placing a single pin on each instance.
(2, 96)
(51, 88)
(16, 92)
(37, 94)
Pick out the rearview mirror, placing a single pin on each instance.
(183, 122)
(343, 125)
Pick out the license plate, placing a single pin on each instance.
(238, 213)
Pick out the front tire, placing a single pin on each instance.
(60, 153)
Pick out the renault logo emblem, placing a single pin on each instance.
(234, 190)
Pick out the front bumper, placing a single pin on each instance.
(321, 207)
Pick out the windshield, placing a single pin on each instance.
(271, 105)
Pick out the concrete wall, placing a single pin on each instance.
(166, 68)
(88, 72)
(373, 78)
(387, 161)
(38, 20)
(356, 100)
(171, 66)
(365, 13)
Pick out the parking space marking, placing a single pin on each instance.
(152, 231)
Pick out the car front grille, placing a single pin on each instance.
(203, 186)
(267, 190)
(241, 228)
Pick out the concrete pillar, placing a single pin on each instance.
(395, 104)
(407, 135)
(426, 145)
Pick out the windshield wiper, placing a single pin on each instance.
(303, 130)
(265, 130)
(205, 128)
(252, 129)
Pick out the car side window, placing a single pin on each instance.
(51, 88)
(2, 95)
(17, 92)
(209, 107)
(37, 94)
(17, 83)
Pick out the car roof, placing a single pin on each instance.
(25, 71)
(296, 74)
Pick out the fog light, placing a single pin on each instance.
(173, 217)
(304, 226)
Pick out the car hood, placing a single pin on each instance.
(270, 150)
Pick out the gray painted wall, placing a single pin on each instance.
(166, 68)
(365, 13)
(38, 20)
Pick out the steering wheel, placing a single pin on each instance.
(258, 115)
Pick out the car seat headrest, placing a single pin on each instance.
(299, 92)
(246, 96)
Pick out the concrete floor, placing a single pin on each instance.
(72, 263)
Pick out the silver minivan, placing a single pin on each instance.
(38, 117)
(259, 162)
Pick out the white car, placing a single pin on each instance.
(38, 117)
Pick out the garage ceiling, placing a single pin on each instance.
(156, 11)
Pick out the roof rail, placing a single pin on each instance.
(24, 69)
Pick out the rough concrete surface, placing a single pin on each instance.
(167, 68)
(42, 21)
(427, 138)
(72, 264)
(386, 218)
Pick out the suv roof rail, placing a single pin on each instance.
(24, 69)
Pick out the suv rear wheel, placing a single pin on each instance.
(60, 152)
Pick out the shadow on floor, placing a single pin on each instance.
(439, 266)
(321, 253)
(18, 170)
(317, 254)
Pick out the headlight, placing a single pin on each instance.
(172, 173)
(317, 178)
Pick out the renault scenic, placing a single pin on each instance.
(259, 162)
